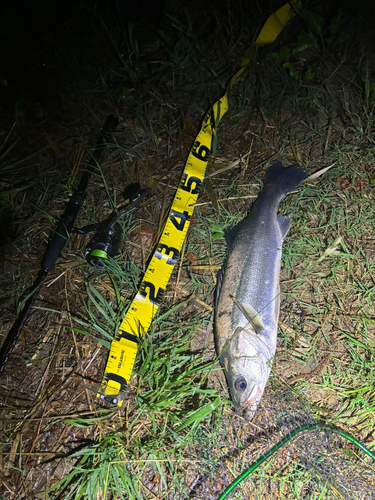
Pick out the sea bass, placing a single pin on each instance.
(247, 301)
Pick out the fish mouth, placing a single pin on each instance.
(250, 407)
(253, 397)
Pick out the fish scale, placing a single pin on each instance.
(247, 301)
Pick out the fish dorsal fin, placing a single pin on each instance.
(251, 315)
(219, 282)
(284, 224)
(230, 235)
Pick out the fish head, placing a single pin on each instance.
(246, 379)
(247, 373)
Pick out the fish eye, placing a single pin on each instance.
(240, 384)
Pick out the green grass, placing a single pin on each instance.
(333, 294)
(172, 393)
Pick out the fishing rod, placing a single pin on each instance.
(58, 240)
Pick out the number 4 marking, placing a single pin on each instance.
(179, 219)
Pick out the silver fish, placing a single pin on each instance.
(247, 302)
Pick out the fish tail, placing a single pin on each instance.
(283, 179)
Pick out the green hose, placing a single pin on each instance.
(285, 439)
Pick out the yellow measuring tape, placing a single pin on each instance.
(147, 301)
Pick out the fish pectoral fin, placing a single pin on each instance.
(251, 315)
(284, 224)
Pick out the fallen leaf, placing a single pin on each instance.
(356, 185)
(331, 250)
(319, 173)
(193, 259)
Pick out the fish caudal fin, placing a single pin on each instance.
(283, 179)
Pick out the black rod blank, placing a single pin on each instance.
(58, 240)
